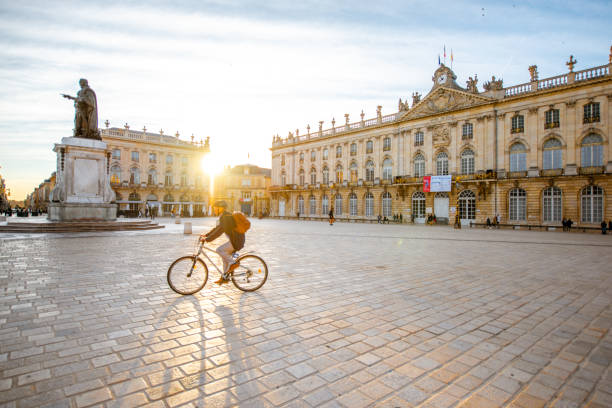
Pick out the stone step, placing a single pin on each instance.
(81, 226)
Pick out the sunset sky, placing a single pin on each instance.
(243, 71)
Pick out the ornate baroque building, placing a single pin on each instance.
(244, 188)
(533, 153)
(157, 170)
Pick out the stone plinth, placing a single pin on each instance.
(82, 190)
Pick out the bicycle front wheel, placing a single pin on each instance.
(187, 275)
(251, 274)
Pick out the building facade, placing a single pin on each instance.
(157, 171)
(244, 188)
(534, 153)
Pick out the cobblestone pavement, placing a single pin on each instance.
(352, 315)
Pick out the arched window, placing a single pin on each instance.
(467, 205)
(353, 204)
(115, 174)
(369, 205)
(302, 177)
(339, 174)
(300, 206)
(369, 146)
(386, 204)
(283, 178)
(324, 205)
(184, 179)
(552, 154)
(353, 149)
(353, 170)
(325, 175)
(419, 165)
(518, 204)
(386, 144)
(312, 203)
(370, 170)
(134, 175)
(151, 197)
(313, 176)
(387, 169)
(467, 162)
(442, 164)
(591, 200)
(418, 205)
(152, 177)
(338, 205)
(591, 151)
(168, 179)
(551, 204)
(518, 157)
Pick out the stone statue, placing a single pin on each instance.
(416, 98)
(494, 84)
(471, 84)
(86, 112)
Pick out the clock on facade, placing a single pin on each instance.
(442, 79)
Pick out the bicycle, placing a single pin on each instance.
(188, 274)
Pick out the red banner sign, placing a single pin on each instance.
(427, 184)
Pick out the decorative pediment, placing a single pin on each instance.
(444, 99)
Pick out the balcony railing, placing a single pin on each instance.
(517, 130)
(517, 174)
(591, 170)
(551, 172)
(551, 125)
(590, 119)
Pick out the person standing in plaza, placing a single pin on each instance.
(227, 225)
(498, 220)
(331, 216)
(569, 224)
(604, 226)
(564, 223)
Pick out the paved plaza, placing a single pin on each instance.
(353, 315)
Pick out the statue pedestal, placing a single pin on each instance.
(82, 191)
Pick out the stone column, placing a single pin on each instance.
(568, 122)
(531, 128)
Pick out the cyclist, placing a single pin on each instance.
(227, 225)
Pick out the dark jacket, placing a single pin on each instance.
(227, 225)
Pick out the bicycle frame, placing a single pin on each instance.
(201, 251)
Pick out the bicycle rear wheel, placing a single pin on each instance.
(187, 275)
(251, 274)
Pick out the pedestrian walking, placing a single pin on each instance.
(564, 223)
(331, 216)
(604, 226)
(498, 220)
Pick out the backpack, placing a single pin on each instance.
(242, 224)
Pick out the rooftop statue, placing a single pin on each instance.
(86, 112)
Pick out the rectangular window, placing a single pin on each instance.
(369, 146)
(552, 119)
(468, 131)
(518, 124)
(387, 144)
(339, 151)
(169, 159)
(135, 156)
(354, 149)
(313, 155)
(185, 161)
(552, 159)
(591, 112)
(117, 154)
(246, 182)
(152, 158)
(419, 138)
